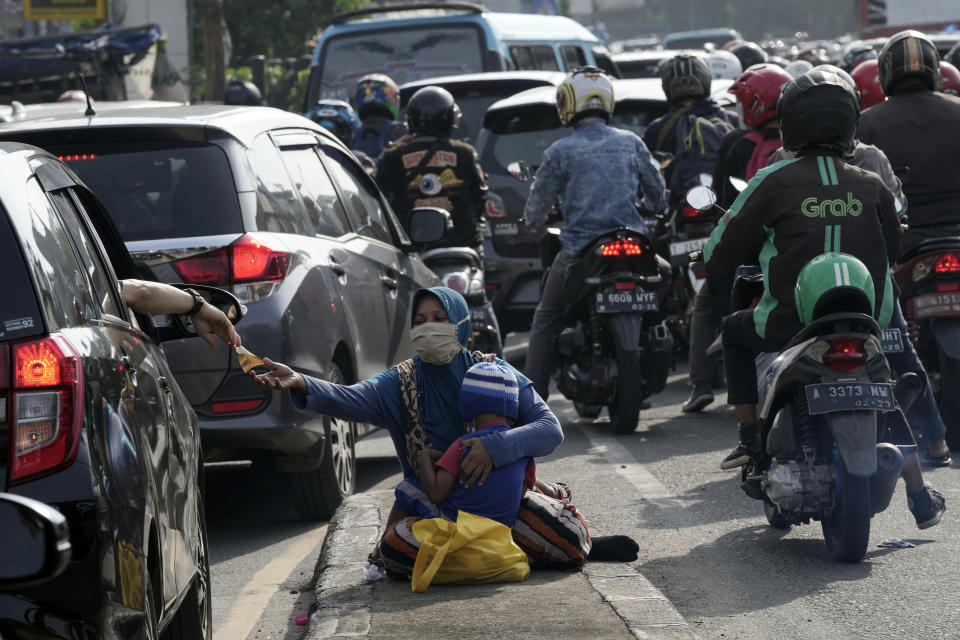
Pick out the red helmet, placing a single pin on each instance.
(867, 77)
(758, 89)
(951, 78)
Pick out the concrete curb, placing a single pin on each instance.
(343, 600)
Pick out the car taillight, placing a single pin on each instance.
(845, 354)
(237, 406)
(494, 210)
(947, 263)
(619, 248)
(243, 265)
(46, 412)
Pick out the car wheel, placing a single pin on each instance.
(318, 493)
(194, 619)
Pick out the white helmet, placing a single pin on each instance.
(724, 65)
(585, 91)
(798, 68)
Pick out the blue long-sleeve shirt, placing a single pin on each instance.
(595, 177)
(377, 401)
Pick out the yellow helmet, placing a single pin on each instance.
(585, 91)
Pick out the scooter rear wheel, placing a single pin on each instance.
(847, 528)
(625, 408)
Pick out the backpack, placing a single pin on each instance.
(697, 140)
(761, 152)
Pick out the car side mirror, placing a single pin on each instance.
(521, 171)
(701, 197)
(182, 326)
(429, 225)
(36, 542)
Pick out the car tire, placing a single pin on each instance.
(194, 619)
(318, 493)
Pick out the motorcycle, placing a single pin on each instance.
(823, 400)
(929, 279)
(461, 269)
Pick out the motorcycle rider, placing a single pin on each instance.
(910, 127)
(867, 78)
(693, 127)
(338, 117)
(742, 153)
(594, 178)
(431, 170)
(376, 99)
(791, 212)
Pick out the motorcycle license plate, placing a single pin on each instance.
(614, 301)
(828, 397)
(892, 341)
(478, 317)
(936, 304)
(687, 246)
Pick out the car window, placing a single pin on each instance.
(61, 281)
(537, 57)
(318, 193)
(19, 314)
(155, 190)
(362, 204)
(572, 57)
(605, 62)
(98, 275)
(278, 204)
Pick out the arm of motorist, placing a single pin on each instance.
(545, 191)
(538, 434)
(652, 186)
(153, 298)
(436, 476)
(738, 236)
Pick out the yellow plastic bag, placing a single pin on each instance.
(469, 551)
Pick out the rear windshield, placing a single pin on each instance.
(404, 54)
(526, 134)
(160, 190)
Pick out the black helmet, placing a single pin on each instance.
(908, 55)
(855, 53)
(685, 76)
(245, 93)
(818, 108)
(953, 56)
(749, 54)
(432, 111)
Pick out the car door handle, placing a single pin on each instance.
(388, 281)
(337, 268)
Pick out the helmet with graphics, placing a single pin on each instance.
(586, 91)
(909, 56)
(724, 65)
(685, 76)
(338, 117)
(834, 282)
(758, 89)
(376, 95)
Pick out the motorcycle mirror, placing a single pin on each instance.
(738, 184)
(701, 197)
(521, 171)
(706, 179)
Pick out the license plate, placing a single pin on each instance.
(936, 304)
(478, 316)
(613, 301)
(687, 246)
(506, 229)
(892, 341)
(849, 396)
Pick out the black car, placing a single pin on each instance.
(273, 208)
(92, 422)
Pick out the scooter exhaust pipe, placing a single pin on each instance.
(884, 479)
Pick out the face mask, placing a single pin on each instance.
(436, 342)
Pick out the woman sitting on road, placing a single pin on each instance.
(417, 402)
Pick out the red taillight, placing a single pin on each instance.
(689, 213)
(46, 413)
(493, 209)
(845, 355)
(236, 406)
(491, 286)
(619, 248)
(245, 260)
(625, 286)
(948, 286)
(947, 263)
(78, 156)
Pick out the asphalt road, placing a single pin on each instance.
(703, 542)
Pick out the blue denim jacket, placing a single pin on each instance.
(595, 176)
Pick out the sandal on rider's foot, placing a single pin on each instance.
(937, 454)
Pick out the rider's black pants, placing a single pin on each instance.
(741, 346)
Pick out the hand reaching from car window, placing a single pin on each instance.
(210, 322)
(279, 376)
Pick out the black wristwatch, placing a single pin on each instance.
(197, 302)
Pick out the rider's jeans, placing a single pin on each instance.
(924, 417)
(547, 325)
(703, 331)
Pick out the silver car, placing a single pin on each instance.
(272, 207)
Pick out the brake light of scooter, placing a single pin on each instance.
(47, 400)
(845, 354)
(621, 248)
(689, 213)
(947, 263)
(629, 285)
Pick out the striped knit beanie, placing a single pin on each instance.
(489, 387)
